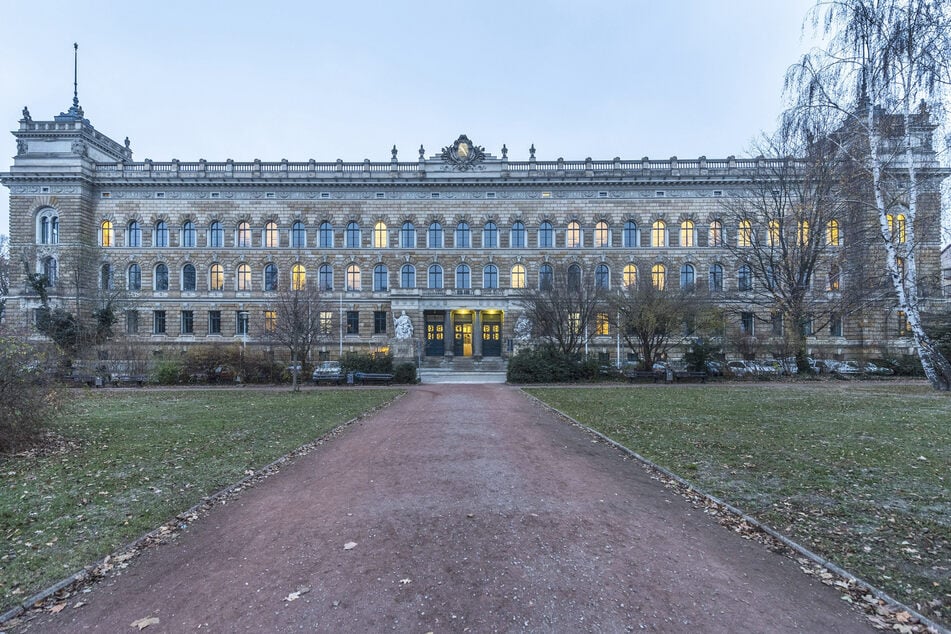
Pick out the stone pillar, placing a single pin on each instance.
(450, 336)
(477, 334)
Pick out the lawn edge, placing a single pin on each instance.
(171, 527)
(685, 486)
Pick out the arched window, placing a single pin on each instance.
(134, 277)
(105, 277)
(160, 235)
(326, 235)
(716, 277)
(687, 277)
(271, 238)
(659, 276)
(770, 277)
(189, 278)
(631, 237)
(435, 276)
(134, 234)
(216, 234)
(574, 277)
(48, 230)
(354, 279)
(517, 235)
(602, 235)
(546, 277)
(573, 235)
(834, 278)
(216, 277)
(381, 278)
(298, 235)
(434, 236)
(546, 235)
(188, 234)
(408, 236)
(602, 277)
(242, 235)
(744, 234)
(688, 234)
(105, 234)
(244, 277)
(715, 235)
(744, 278)
(270, 277)
(380, 238)
(463, 235)
(802, 233)
(50, 271)
(518, 276)
(900, 265)
(408, 276)
(629, 276)
(490, 236)
(463, 276)
(161, 277)
(298, 277)
(833, 235)
(325, 277)
(896, 227)
(490, 276)
(772, 233)
(659, 234)
(353, 238)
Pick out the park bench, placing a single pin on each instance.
(128, 379)
(687, 375)
(336, 379)
(372, 377)
(635, 375)
(86, 379)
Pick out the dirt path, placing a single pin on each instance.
(471, 510)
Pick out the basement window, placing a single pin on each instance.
(269, 195)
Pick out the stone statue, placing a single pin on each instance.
(22, 146)
(404, 327)
(523, 329)
(26, 115)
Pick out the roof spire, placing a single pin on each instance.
(75, 75)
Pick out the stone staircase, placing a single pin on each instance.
(463, 370)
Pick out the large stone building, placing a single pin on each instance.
(201, 248)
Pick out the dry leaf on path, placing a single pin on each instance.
(144, 623)
(350, 545)
(57, 608)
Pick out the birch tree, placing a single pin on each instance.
(885, 73)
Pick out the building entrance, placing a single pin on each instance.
(462, 340)
(435, 334)
(492, 335)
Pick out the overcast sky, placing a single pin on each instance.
(349, 80)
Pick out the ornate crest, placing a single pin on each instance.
(463, 154)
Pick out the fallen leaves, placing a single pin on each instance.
(144, 623)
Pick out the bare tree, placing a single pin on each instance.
(564, 309)
(883, 59)
(298, 319)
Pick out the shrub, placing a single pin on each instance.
(367, 362)
(547, 364)
(699, 353)
(405, 373)
(27, 398)
(168, 372)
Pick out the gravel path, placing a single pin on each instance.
(471, 509)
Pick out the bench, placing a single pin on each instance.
(128, 379)
(336, 379)
(635, 375)
(372, 377)
(85, 379)
(687, 375)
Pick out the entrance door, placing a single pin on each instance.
(462, 344)
(435, 335)
(491, 335)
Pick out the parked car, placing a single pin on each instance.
(741, 368)
(714, 368)
(877, 370)
(328, 371)
(842, 368)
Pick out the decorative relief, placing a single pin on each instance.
(463, 155)
(78, 147)
(22, 147)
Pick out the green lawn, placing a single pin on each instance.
(136, 459)
(857, 472)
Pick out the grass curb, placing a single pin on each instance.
(173, 526)
(684, 485)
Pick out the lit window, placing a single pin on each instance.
(833, 235)
(802, 233)
(659, 234)
(216, 235)
(435, 276)
(904, 329)
(244, 277)
(325, 277)
(408, 276)
(629, 276)
(270, 321)
(546, 277)
(744, 234)
(298, 235)
(602, 235)
(326, 235)
(716, 277)
(463, 276)
(518, 276)
(216, 277)
(298, 277)
(271, 239)
(380, 239)
(573, 235)
(381, 277)
(687, 277)
(270, 277)
(161, 277)
(546, 235)
(353, 237)
(134, 234)
(574, 322)
(463, 235)
(744, 278)
(772, 233)
(602, 325)
(326, 318)
(434, 236)
(105, 234)
(188, 234)
(688, 234)
(490, 236)
(408, 236)
(631, 236)
(243, 235)
(834, 277)
(490, 276)
(715, 238)
(188, 277)
(135, 277)
(518, 235)
(602, 277)
(160, 237)
(896, 227)
(354, 281)
(659, 276)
